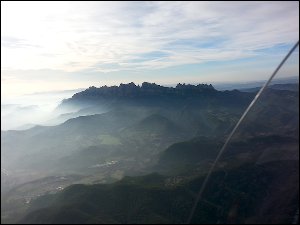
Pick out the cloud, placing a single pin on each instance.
(12, 42)
(58, 45)
(95, 33)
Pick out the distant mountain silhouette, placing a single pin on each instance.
(153, 94)
(288, 87)
(131, 90)
(146, 89)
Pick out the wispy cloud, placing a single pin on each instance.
(50, 45)
(12, 42)
(94, 34)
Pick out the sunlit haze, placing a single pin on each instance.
(48, 46)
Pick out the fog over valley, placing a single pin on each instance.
(25, 111)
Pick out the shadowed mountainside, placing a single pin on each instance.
(174, 131)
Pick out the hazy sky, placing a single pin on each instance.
(64, 45)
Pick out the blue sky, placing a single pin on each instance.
(48, 46)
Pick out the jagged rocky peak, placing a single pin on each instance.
(193, 87)
(146, 85)
(129, 86)
(146, 89)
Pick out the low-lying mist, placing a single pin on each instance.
(26, 111)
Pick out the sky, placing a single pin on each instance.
(48, 46)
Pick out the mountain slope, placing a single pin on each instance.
(130, 139)
(288, 87)
(135, 202)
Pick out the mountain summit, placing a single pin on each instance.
(146, 89)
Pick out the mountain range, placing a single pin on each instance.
(140, 153)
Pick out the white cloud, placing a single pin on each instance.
(47, 42)
(91, 33)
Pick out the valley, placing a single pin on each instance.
(176, 137)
